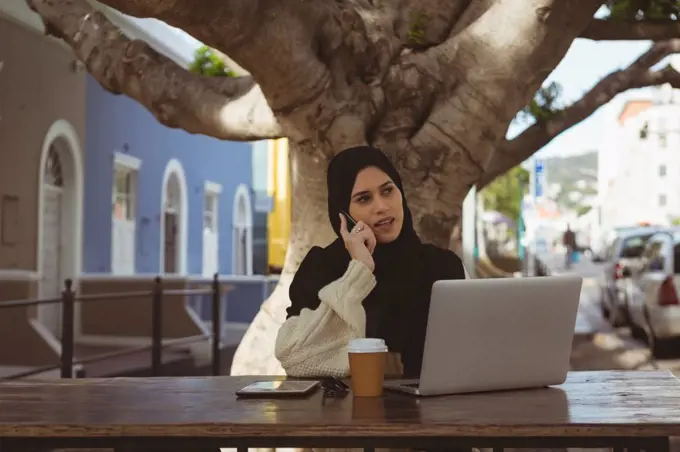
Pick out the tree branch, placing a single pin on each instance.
(666, 75)
(221, 107)
(513, 152)
(613, 30)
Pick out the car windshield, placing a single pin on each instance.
(634, 246)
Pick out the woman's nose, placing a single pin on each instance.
(380, 205)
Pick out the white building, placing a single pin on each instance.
(639, 165)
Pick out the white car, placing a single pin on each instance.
(652, 291)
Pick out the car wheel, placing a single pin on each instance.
(627, 320)
(618, 315)
(603, 306)
(615, 317)
(655, 345)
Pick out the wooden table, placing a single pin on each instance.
(639, 410)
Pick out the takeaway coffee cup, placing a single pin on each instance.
(367, 358)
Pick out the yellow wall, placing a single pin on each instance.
(279, 188)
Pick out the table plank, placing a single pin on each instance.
(617, 403)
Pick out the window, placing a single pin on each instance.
(211, 233)
(242, 233)
(662, 170)
(676, 259)
(612, 249)
(210, 212)
(53, 173)
(633, 247)
(124, 213)
(123, 194)
(653, 258)
(676, 252)
(663, 141)
(644, 131)
(662, 200)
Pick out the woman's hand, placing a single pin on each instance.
(360, 243)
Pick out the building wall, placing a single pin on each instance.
(632, 188)
(261, 204)
(38, 87)
(280, 189)
(119, 124)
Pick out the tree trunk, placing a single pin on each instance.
(310, 226)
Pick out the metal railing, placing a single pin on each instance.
(238, 284)
(69, 298)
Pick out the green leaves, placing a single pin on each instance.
(416, 32)
(208, 64)
(506, 192)
(627, 10)
(545, 104)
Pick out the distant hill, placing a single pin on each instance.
(571, 179)
(567, 170)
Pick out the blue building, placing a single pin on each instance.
(95, 190)
(167, 201)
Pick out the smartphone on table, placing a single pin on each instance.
(279, 388)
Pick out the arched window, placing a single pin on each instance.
(242, 249)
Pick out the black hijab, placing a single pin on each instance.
(405, 269)
(342, 174)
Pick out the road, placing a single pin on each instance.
(609, 348)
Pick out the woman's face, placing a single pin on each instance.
(377, 201)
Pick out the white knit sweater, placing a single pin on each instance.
(315, 342)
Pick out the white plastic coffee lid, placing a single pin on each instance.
(366, 345)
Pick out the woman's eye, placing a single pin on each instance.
(388, 190)
(362, 199)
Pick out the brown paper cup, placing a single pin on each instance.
(372, 408)
(367, 360)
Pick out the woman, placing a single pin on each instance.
(375, 280)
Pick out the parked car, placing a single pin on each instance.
(653, 307)
(600, 244)
(623, 254)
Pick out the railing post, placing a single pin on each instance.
(216, 325)
(67, 320)
(157, 327)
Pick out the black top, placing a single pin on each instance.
(400, 319)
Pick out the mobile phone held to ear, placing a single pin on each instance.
(350, 221)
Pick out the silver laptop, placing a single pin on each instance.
(496, 334)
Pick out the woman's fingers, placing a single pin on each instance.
(343, 227)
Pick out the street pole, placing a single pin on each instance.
(520, 222)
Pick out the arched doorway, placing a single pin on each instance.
(242, 248)
(174, 220)
(60, 200)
